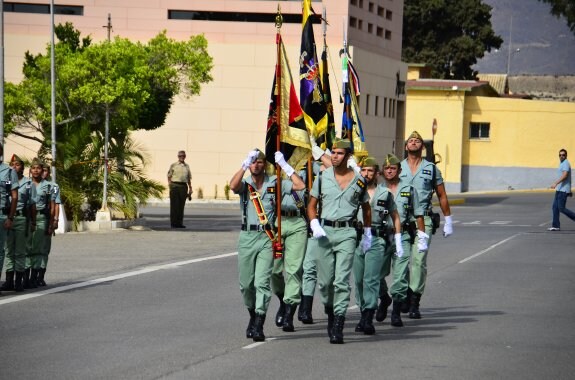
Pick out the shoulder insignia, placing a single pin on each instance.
(271, 189)
(426, 171)
(360, 183)
(405, 194)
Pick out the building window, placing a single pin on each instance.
(370, 28)
(353, 22)
(370, 7)
(379, 31)
(354, 2)
(367, 104)
(389, 14)
(384, 107)
(43, 9)
(479, 131)
(360, 24)
(361, 3)
(380, 11)
(376, 109)
(388, 34)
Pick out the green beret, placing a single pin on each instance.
(415, 135)
(15, 158)
(36, 162)
(368, 161)
(391, 159)
(341, 144)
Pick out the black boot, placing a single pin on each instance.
(40, 281)
(259, 328)
(414, 306)
(288, 317)
(368, 328)
(33, 278)
(26, 279)
(405, 305)
(330, 318)
(384, 303)
(18, 285)
(250, 328)
(8, 285)
(305, 308)
(336, 336)
(396, 314)
(281, 312)
(360, 327)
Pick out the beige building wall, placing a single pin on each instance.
(229, 117)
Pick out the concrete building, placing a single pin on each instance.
(229, 118)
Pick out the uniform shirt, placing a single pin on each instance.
(565, 185)
(267, 195)
(422, 180)
(180, 172)
(8, 182)
(338, 204)
(405, 194)
(26, 194)
(43, 195)
(55, 191)
(382, 205)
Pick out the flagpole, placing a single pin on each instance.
(277, 246)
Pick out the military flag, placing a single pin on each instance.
(286, 116)
(330, 131)
(311, 93)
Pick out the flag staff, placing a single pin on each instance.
(277, 245)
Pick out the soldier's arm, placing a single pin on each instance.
(396, 221)
(366, 210)
(298, 183)
(312, 208)
(236, 181)
(420, 223)
(443, 201)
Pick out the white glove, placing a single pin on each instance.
(366, 239)
(352, 163)
(316, 229)
(316, 151)
(448, 226)
(398, 245)
(250, 159)
(280, 160)
(422, 239)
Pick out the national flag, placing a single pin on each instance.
(330, 130)
(286, 114)
(311, 93)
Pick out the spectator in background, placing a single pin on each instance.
(562, 188)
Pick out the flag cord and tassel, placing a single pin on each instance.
(277, 245)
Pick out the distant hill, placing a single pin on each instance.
(546, 45)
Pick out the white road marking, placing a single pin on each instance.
(150, 269)
(474, 222)
(488, 249)
(254, 345)
(501, 222)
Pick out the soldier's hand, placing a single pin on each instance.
(366, 239)
(8, 224)
(398, 245)
(422, 239)
(280, 160)
(316, 229)
(251, 157)
(448, 226)
(352, 163)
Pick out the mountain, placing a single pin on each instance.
(541, 44)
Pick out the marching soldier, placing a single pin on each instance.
(335, 198)
(255, 252)
(412, 233)
(426, 178)
(8, 203)
(367, 264)
(43, 205)
(55, 196)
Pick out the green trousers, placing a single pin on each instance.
(386, 267)
(16, 243)
(35, 249)
(418, 270)
(294, 238)
(367, 274)
(400, 268)
(310, 268)
(46, 251)
(334, 264)
(3, 237)
(255, 263)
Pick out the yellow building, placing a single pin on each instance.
(229, 117)
(487, 142)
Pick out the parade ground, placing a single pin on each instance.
(151, 302)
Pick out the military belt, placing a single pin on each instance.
(381, 232)
(257, 227)
(290, 213)
(427, 213)
(338, 223)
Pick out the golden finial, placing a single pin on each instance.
(279, 18)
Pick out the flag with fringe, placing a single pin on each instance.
(351, 124)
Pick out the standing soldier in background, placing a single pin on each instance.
(55, 196)
(335, 198)
(43, 205)
(180, 183)
(255, 253)
(367, 265)
(8, 203)
(410, 232)
(426, 178)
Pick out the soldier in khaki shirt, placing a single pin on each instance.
(180, 182)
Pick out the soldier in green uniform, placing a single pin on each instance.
(255, 254)
(367, 264)
(335, 198)
(426, 178)
(43, 205)
(412, 233)
(55, 195)
(180, 183)
(8, 203)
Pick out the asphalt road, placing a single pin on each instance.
(157, 303)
